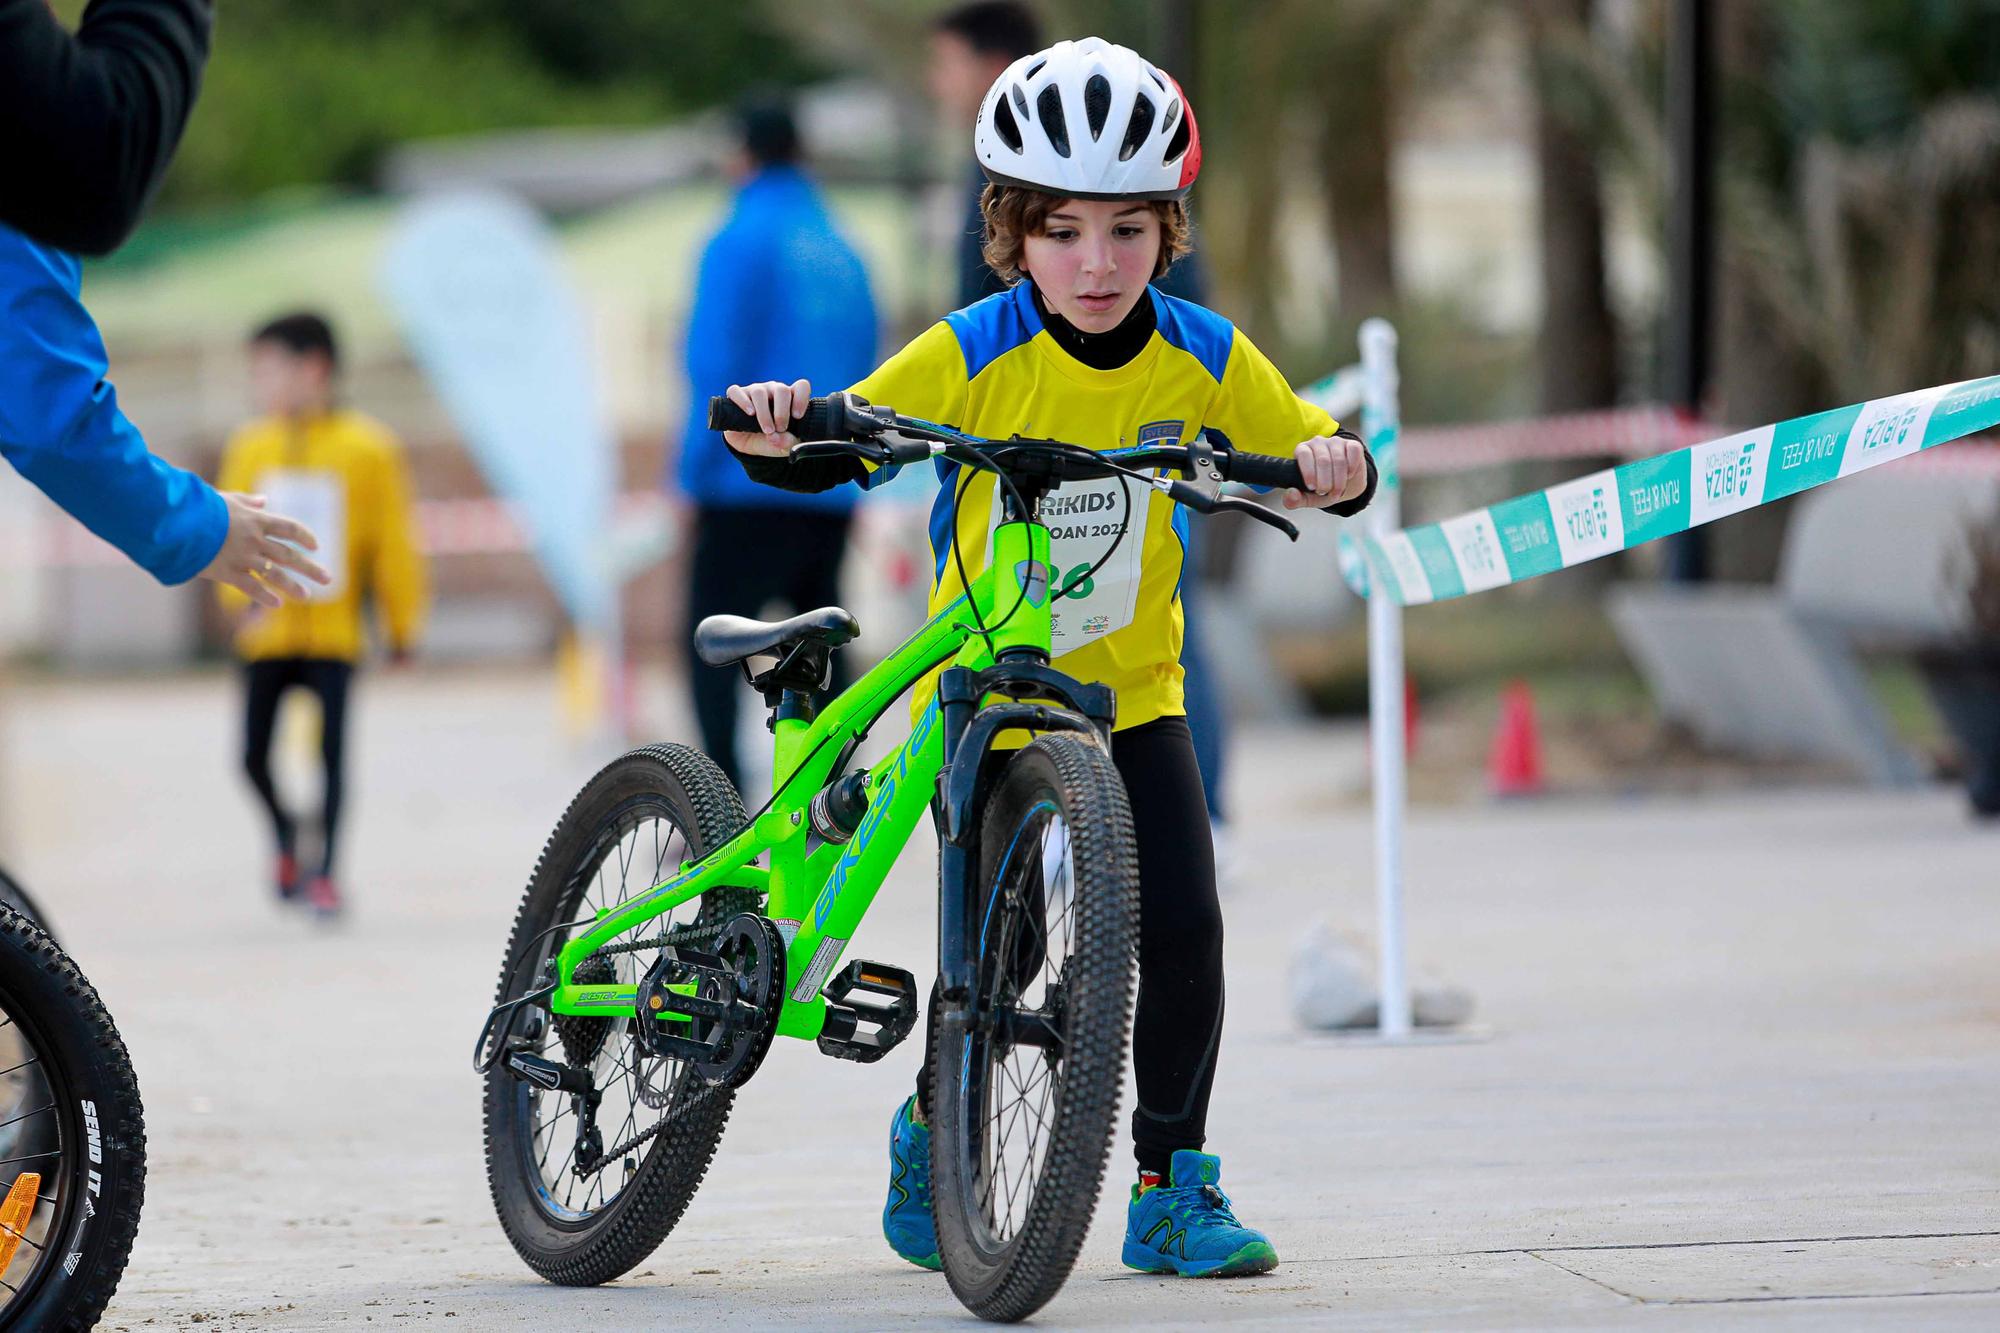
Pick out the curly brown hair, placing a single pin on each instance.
(1013, 213)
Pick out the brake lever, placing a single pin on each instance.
(1268, 517)
(1194, 498)
(806, 450)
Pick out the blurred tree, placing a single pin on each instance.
(1860, 203)
(1579, 338)
(313, 91)
(1861, 191)
(1878, 237)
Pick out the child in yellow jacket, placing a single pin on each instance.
(342, 473)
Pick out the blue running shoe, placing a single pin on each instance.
(1186, 1227)
(906, 1218)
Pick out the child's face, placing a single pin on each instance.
(284, 383)
(1093, 259)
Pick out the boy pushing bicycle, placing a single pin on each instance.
(1090, 152)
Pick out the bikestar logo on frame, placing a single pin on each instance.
(878, 807)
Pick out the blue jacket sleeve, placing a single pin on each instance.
(722, 340)
(60, 426)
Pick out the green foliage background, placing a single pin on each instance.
(312, 92)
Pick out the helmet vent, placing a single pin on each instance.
(1179, 143)
(1035, 69)
(1020, 99)
(1005, 125)
(1049, 110)
(1097, 104)
(1135, 132)
(1173, 113)
(1158, 78)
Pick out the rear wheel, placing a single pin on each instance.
(581, 1218)
(1026, 1084)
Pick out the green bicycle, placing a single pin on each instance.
(667, 937)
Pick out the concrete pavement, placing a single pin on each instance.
(1741, 1060)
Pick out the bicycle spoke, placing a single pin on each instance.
(27, 1115)
(24, 1239)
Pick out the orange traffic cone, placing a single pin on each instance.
(1514, 767)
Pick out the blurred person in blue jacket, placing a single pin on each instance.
(779, 290)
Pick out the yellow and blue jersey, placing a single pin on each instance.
(993, 370)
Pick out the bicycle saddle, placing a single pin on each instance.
(720, 640)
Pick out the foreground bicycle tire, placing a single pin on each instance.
(71, 1113)
(683, 789)
(15, 894)
(1001, 1268)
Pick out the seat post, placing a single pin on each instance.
(791, 689)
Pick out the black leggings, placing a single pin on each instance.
(266, 683)
(1178, 1027)
(742, 559)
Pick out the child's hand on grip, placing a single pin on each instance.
(775, 405)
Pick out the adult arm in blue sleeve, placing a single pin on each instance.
(61, 428)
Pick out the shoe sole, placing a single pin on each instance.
(1256, 1257)
(930, 1262)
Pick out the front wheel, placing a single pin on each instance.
(1027, 1080)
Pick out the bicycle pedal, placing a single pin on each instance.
(870, 1008)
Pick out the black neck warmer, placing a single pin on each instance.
(1100, 351)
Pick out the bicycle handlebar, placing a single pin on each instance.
(840, 418)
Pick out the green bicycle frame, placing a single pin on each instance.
(818, 898)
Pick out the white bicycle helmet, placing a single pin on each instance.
(1089, 120)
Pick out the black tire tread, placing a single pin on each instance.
(678, 1162)
(77, 1301)
(1039, 1259)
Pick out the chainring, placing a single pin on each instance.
(755, 954)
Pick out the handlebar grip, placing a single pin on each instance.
(1264, 470)
(724, 414)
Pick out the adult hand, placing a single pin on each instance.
(258, 551)
(775, 405)
(1335, 469)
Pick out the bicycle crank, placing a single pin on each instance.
(716, 1011)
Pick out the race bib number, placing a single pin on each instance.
(1083, 519)
(318, 500)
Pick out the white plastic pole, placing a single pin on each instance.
(1381, 424)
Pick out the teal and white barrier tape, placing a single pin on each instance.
(1643, 501)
